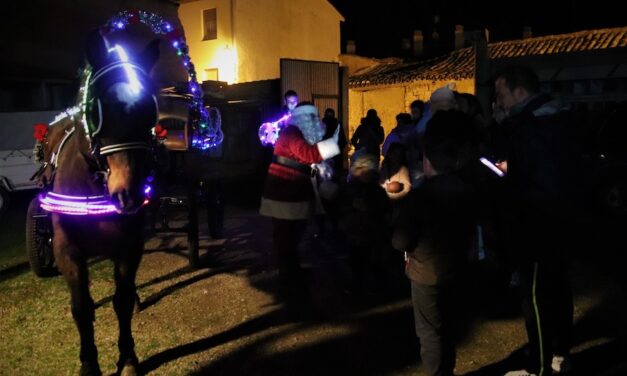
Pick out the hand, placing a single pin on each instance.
(502, 165)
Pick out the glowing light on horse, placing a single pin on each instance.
(83, 205)
(128, 69)
(269, 132)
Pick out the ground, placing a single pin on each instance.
(225, 319)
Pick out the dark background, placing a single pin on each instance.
(378, 26)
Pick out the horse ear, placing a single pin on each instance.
(150, 55)
(96, 49)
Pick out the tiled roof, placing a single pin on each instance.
(460, 64)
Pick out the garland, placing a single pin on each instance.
(206, 129)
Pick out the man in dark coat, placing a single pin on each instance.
(541, 194)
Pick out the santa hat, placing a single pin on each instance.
(300, 111)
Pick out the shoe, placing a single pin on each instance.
(561, 364)
(521, 372)
(515, 280)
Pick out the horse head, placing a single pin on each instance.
(120, 112)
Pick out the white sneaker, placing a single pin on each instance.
(561, 364)
(521, 372)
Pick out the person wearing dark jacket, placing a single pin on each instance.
(541, 192)
(332, 125)
(369, 134)
(435, 229)
(364, 210)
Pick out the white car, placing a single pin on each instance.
(16, 149)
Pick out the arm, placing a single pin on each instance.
(355, 138)
(380, 134)
(342, 138)
(304, 153)
(402, 177)
(389, 140)
(406, 230)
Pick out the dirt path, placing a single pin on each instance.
(224, 318)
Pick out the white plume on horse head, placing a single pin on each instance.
(126, 93)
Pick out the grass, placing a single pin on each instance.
(211, 324)
(37, 331)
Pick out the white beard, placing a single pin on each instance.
(312, 131)
(126, 94)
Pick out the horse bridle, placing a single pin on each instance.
(92, 131)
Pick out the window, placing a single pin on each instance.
(211, 74)
(210, 24)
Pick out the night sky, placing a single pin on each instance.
(378, 30)
(35, 38)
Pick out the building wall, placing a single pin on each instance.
(301, 29)
(253, 35)
(210, 54)
(391, 100)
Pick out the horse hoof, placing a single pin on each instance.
(90, 369)
(129, 370)
(128, 367)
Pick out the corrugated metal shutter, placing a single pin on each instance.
(314, 81)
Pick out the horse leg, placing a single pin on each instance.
(76, 276)
(124, 303)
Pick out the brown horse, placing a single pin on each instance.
(107, 154)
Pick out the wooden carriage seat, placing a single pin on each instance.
(174, 116)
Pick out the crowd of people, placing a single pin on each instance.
(421, 199)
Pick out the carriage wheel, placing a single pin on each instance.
(39, 241)
(4, 200)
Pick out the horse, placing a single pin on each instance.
(105, 153)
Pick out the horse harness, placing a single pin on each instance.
(80, 113)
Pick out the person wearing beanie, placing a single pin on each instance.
(441, 99)
(289, 195)
(435, 229)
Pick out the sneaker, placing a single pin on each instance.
(561, 364)
(515, 280)
(521, 372)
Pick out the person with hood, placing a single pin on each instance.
(369, 134)
(541, 192)
(289, 196)
(416, 109)
(401, 134)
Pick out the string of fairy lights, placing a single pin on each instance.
(206, 129)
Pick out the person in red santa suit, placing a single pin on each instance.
(289, 196)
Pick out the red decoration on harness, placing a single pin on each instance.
(160, 131)
(41, 130)
(133, 18)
